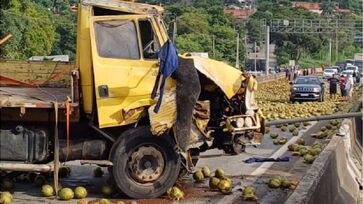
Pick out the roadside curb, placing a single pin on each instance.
(329, 179)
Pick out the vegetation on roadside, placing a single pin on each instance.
(48, 27)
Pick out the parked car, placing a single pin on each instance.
(328, 73)
(307, 88)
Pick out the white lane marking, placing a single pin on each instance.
(266, 165)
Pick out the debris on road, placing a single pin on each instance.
(267, 159)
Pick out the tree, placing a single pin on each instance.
(31, 27)
(195, 21)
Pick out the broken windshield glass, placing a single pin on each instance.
(117, 39)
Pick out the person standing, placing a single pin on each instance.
(333, 84)
(351, 79)
(357, 78)
(348, 88)
(342, 83)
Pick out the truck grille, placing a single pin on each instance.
(305, 89)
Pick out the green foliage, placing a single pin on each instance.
(305, 48)
(31, 27)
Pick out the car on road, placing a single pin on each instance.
(307, 88)
(352, 68)
(347, 73)
(328, 73)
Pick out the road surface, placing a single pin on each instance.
(242, 174)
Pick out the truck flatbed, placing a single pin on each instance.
(33, 97)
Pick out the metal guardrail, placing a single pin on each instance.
(316, 118)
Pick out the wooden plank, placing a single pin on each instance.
(37, 72)
(33, 97)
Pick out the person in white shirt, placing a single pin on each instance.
(349, 86)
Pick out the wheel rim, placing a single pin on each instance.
(146, 164)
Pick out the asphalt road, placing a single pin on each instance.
(242, 174)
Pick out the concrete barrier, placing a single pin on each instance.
(332, 178)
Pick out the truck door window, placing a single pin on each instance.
(117, 39)
(149, 40)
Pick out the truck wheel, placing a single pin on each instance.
(145, 166)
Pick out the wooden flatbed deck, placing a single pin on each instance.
(34, 97)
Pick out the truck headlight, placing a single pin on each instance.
(240, 122)
(249, 122)
(316, 89)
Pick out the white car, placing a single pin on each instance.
(347, 73)
(352, 68)
(328, 73)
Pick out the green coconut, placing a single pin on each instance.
(47, 190)
(275, 142)
(295, 132)
(66, 194)
(175, 193)
(300, 141)
(309, 158)
(286, 183)
(107, 190)
(249, 193)
(292, 147)
(80, 192)
(274, 135)
(225, 186)
(6, 198)
(198, 176)
(104, 201)
(213, 182)
(206, 172)
(275, 182)
(219, 173)
(282, 140)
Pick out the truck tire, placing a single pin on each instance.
(145, 166)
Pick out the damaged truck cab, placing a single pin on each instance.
(117, 64)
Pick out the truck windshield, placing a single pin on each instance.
(307, 80)
(117, 39)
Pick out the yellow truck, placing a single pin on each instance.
(99, 110)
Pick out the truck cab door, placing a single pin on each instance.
(125, 65)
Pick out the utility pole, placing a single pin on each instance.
(336, 41)
(254, 50)
(174, 30)
(330, 52)
(267, 42)
(214, 46)
(237, 51)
